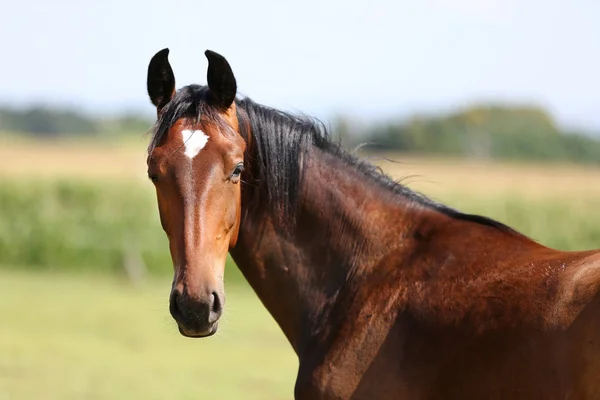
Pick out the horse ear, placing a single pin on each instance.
(221, 81)
(161, 81)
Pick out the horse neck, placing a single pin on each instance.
(343, 228)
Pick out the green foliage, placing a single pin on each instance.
(40, 121)
(90, 226)
(560, 223)
(46, 122)
(489, 132)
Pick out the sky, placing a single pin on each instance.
(368, 59)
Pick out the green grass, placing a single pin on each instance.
(89, 337)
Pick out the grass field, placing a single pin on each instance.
(80, 337)
(86, 335)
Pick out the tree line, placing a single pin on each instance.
(492, 131)
(48, 122)
(488, 131)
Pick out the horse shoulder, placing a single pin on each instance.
(579, 288)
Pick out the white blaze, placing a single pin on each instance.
(194, 141)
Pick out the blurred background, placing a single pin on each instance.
(490, 106)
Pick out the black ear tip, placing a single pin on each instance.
(213, 56)
(221, 82)
(162, 54)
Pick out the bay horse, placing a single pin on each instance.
(381, 292)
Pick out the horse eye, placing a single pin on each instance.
(153, 178)
(235, 175)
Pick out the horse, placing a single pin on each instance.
(381, 292)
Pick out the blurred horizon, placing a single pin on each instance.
(373, 61)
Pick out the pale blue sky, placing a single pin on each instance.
(367, 58)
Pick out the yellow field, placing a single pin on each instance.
(73, 159)
(481, 178)
(435, 176)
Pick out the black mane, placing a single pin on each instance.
(280, 140)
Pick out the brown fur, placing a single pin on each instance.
(385, 299)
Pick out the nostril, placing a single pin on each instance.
(217, 307)
(174, 304)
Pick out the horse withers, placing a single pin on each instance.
(381, 292)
